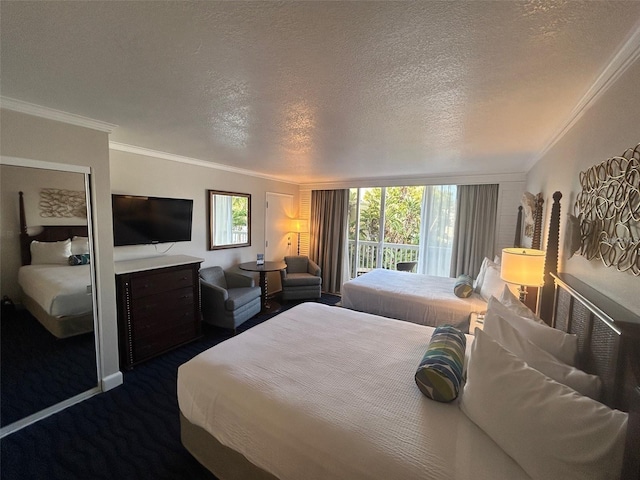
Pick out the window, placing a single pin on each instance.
(388, 225)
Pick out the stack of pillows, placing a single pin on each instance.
(74, 251)
(523, 388)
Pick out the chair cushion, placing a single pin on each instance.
(296, 264)
(300, 280)
(214, 276)
(241, 296)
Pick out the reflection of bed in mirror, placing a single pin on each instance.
(58, 295)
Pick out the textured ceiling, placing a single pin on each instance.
(319, 91)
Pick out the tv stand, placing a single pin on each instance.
(158, 306)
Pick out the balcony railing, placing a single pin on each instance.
(438, 260)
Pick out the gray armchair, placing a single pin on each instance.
(228, 298)
(301, 279)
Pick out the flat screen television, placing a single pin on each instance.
(141, 220)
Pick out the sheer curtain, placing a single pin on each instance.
(328, 230)
(437, 219)
(474, 236)
(223, 211)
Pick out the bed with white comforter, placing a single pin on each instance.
(421, 299)
(323, 392)
(59, 290)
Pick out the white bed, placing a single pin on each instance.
(421, 299)
(59, 290)
(318, 383)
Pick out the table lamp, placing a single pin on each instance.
(524, 267)
(299, 225)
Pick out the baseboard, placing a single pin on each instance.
(112, 381)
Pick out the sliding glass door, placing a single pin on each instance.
(389, 225)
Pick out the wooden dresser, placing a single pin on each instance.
(158, 305)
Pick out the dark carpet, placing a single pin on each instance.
(39, 370)
(130, 432)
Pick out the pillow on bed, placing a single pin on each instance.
(463, 287)
(513, 303)
(563, 346)
(82, 259)
(56, 253)
(492, 284)
(502, 332)
(480, 277)
(79, 245)
(550, 430)
(439, 374)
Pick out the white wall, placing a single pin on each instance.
(137, 174)
(35, 138)
(607, 129)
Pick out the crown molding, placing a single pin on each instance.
(57, 115)
(624, 58)
(147, 152)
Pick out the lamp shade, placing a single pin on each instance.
(299, 225)
(522, 266)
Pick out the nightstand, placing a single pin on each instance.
(476, 320)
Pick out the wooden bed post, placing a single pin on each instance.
(517, 242)
(551, 261)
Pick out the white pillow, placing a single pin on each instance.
(79, 245)
(552, 431)
(492, 284)
(507, 336)
(513, 303)
(561, 345)
(480, 277)
(50, 252)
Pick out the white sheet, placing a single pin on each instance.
(322, 392)
(59, 290)
(422, 299)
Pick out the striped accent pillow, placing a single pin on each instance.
(439, 375)
(463, 286)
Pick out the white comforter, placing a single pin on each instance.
(60, 290)
(327, 393)
(422, 299)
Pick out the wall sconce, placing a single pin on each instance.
(299, 225)
(524, 267)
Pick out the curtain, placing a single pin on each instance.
(437, 219)
(328, 228)
(223, 215)
(474, 235)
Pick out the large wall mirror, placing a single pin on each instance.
(229, 219)
(48, 337)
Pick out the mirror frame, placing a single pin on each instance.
(210, 215)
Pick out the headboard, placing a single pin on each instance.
(49, 233)
(609, 346)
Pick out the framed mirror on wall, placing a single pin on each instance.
(229, 216)
(48, 350)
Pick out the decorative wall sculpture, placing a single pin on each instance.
(608, 208)
(55, 203)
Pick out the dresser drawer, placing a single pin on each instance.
(156, 305)
(170, 317)
(158, 342)
(150, 284)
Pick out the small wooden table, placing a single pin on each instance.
(263, 269)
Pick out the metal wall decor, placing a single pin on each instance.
(56, 203)
(608, 208)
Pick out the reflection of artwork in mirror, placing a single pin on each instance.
(229, 219)
(48, 352)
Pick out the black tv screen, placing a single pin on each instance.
(141, 220)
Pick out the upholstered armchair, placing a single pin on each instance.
(301, 279)
(228, 298)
